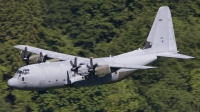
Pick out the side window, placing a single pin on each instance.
(22, 78)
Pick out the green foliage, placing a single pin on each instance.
(4, 107)
(101, 28)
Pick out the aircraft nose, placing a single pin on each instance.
(13, 82)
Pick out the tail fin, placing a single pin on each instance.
(161, 37)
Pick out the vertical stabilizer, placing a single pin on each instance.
(161, 37)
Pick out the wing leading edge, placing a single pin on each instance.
(48, 53)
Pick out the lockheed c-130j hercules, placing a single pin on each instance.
(57, 70)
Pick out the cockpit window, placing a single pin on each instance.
(19, 72)
(25, 71)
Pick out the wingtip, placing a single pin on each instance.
(149, 67)
(153, 67)
(190, 57)
(17, 46)
(20, 46)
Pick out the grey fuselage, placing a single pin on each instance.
(57, 74)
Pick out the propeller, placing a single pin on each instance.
(74, 65)
(41, 58)
(92, 66)
(25, 56)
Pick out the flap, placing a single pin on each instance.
(131, 66)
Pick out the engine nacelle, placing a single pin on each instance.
(33, 59)
(101, 71)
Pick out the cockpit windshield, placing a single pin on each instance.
(19, 72)
(24, 72)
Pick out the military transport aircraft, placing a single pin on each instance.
(48, 69)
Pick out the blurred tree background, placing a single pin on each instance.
(101, 28)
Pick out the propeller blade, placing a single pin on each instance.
(91, 63)
(41, 57)
(71, 63)
(25, 56)
(25, 51)
(22, 54)
(88, 66)
(29, 55)
(95, 65)
(27, 62)
(78, 67)
(92, 66)
(74, 65)
(75, 61)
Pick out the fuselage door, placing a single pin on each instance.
(49, 80)
(39, 78)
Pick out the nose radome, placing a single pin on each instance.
(13, 82)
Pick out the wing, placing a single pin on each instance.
(64, 57)
(48, 53)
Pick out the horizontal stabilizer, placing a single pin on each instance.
(174, 55)
(131, 66)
